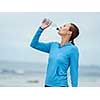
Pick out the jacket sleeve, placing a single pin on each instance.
(45, 47)
(74, 57)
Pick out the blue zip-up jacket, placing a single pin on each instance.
(60, 59)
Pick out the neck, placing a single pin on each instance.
(65, 39)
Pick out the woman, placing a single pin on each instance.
(61, 55)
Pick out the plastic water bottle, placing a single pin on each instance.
(53, 25)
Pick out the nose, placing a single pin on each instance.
(60, 27)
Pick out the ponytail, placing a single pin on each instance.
(72, 41)
(75, 32)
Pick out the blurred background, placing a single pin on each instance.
(20, 65)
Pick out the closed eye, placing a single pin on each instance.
(64, 25)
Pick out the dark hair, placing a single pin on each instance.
(75, 32)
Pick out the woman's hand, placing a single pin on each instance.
(46, 23)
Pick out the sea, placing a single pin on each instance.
(32, 74)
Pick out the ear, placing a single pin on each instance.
(70, 32)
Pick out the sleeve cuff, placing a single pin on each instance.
(41, 28)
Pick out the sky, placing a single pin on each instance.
(18, 29)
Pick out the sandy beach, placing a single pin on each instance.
(33, 75)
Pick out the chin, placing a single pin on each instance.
(59, 33)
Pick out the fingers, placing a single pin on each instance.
(44, 20)
(47, 21)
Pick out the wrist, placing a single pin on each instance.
(42, 28)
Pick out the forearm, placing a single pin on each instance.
(35, 39)
(45, 47)
(74, 80)
(74, 67)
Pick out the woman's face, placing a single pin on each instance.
(64, 30)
